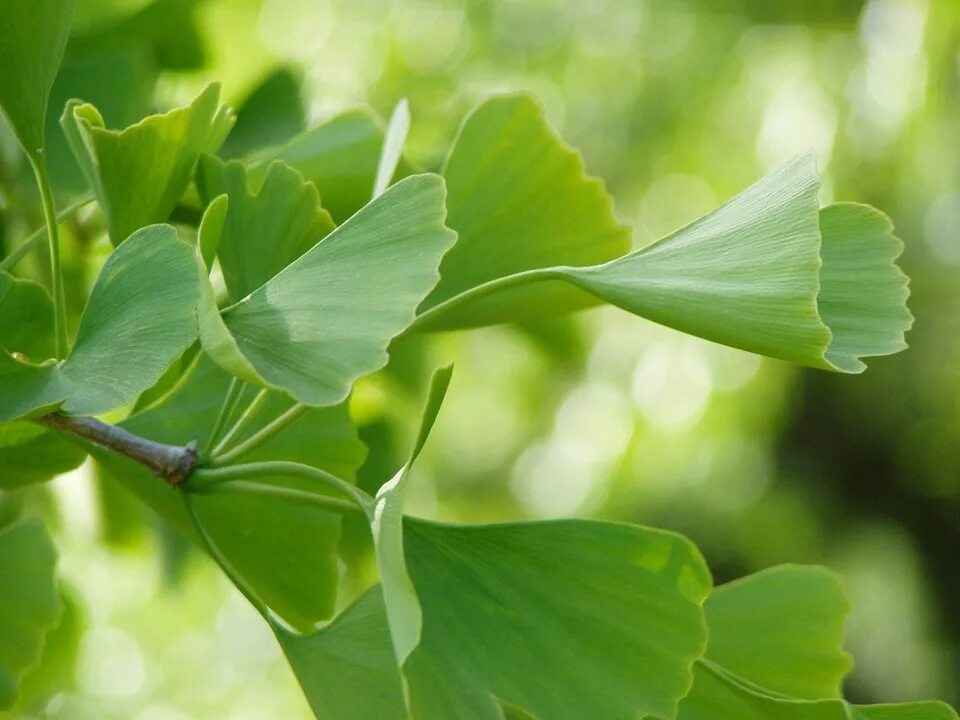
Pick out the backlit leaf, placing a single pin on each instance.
(33, 36)
(327, 318)
(141, 315)
(29, 604)
(747, 275)
(519, 199)
(140, 173)
(393, 143)
(774, 654)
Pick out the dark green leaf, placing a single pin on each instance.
(141, 315)
(286, 553)
(347, 670)
(26, 318)
(30, 454)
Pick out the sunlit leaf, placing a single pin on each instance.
(748, 275)
(33, 36)
(140, 173)
(796, 619)
(348, 670)
(286, 553)
(519, 199)
(403, 608)
(327, 318)
(266, 228)
(774, 654)
(864, 294)
(141, 315)
(340, 157)
(393, 143)
(29, 604)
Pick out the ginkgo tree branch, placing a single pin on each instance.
(173, 463)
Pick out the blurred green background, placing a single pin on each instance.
(677, 105)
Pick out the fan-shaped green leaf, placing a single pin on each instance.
(519, 199)
(774, 654)
(553, 618)
(348, 670)
(327, 318)
(265, 229)
(33, 36)
(796, 619)
(30, 454)
(286, 553)
(141, 315)
(863, 294)
(29, 604)
(139, 174)
(26, 318)
(339, 157)
(748, 275)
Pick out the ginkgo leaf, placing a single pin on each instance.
(140, 173)
(33, 36)
(286, 553)
(347, 670)
(796, 617)
(775, 654)
(393, 142)
(141, 315)
(519, 199)
(633, 594)
(402, 605)
(340, 157)
(29, 453)
(748, 275)
(327, 318)
(29, 603)
(553, 618)
(26, 318)
(265, 229)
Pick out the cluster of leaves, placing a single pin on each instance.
(245, 332)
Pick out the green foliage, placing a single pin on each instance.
(139, 174)
(29, 604)
(251, 383)
(33, 37)
(140, 317)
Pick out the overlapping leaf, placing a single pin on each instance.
(140, 173)
(340, 157)
(633, 595)
(29, 604)
(26, 318)
(775, 654)
(327, 318)
(33, 36)
(767, 272)
(29, 453)
(265, 230)
(285, 552)
(141, 315)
